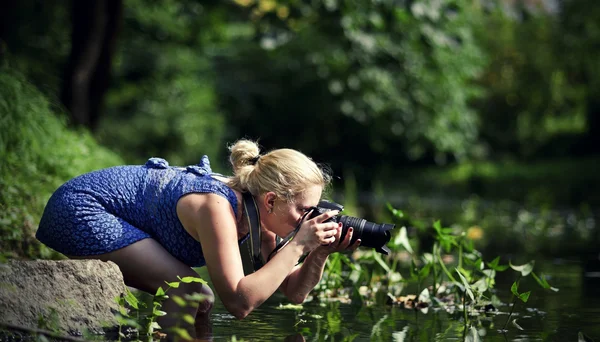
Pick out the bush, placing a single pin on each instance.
(38, 152)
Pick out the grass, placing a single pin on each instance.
(38, 152)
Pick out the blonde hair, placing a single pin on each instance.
(284, 171)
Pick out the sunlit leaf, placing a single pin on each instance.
(380, 261)
(466, 284)
(543, 283)
(402, 240)
(174, 284)
(188, 318)
(495, 265)
(181, 333)
(160, 292)
(515, 288)
(514, 322)
(397, 213)
(179, 301)
(188, 280)
(196, 297)
(481, 285)
(158, 313)
(131, 299)
(290, 307)
(524, 269)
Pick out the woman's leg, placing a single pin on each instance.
(146, 265)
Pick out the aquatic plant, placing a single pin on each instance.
(132, 314)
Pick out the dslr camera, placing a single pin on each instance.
(371, 234)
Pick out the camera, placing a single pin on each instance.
(371, 234)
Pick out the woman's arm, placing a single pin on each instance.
(303, 279)
(211, 216)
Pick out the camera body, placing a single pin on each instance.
(371, 234)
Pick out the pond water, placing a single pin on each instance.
(547, 316)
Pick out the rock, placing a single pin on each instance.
(68, 296)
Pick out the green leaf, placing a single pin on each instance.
(424, 272)
(189, 318)
(196, 297)
(184, 334)
(543, 283)
(515, 288)
(397, 213)
(160, 292)
(188, 280)
(174, 284)
(466, 284)
(158, 313)
(402, 240)
(525, 296)
(131, 299)
(524, 269)
(380, 261)
(179, 301)
(495, 265)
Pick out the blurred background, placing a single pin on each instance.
(481, 113)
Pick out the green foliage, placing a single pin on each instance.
(134, 313)
(38, 154)
(163, 101)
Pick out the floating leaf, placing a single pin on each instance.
(524, 269)
(290, 307)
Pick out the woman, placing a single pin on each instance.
(156, 222)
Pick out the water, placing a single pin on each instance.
(548, 316)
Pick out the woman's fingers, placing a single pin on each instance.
(326, 216)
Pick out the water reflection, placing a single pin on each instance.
(548, 316)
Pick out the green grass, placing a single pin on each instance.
(38, 152)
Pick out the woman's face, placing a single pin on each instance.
(281, 216)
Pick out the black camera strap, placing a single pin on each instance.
(253, 217)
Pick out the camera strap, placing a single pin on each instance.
(253, 217)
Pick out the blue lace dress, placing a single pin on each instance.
(102, 211)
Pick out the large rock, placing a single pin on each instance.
(70, 296)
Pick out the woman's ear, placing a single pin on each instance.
(269, 201)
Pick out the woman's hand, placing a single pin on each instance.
(316, 232)
(341, 246)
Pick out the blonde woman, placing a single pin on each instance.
(156, 221)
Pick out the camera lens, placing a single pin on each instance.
(372, 234)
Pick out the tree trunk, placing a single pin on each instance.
(94, 31)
